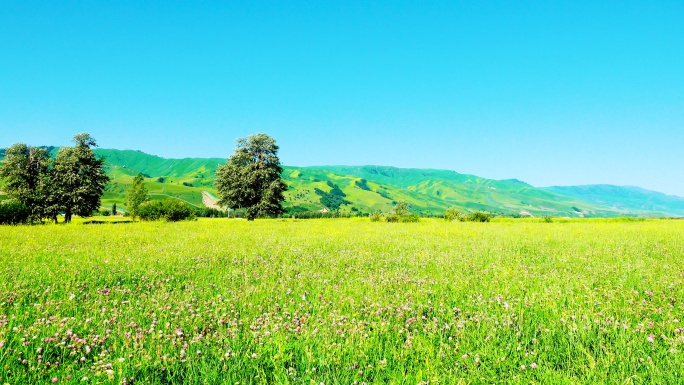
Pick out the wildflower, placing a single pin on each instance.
(523, 367)
(54, 380)
(254, 355)
(533, 365)
(650, 338)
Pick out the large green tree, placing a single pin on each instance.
(79, 178)
(251, 178)
(136, 195)
(24, 170)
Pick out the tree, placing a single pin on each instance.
(401, 209)
(79, 178)
(251, 178)
(24, 170)
(114, 209)
(136, 195)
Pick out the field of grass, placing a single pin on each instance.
(343, 302)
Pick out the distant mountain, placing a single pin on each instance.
(433, 191)
(628, 198)
(366, 189)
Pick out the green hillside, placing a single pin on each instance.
(433, 191)
(364, 189)
(624, 198)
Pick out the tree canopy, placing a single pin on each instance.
(136, 195)
(71, 183)
(25, 169)
(251, 178)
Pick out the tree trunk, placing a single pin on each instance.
(67, 216)
(54, 218)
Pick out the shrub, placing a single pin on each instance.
(13, 213)
(104, 213)
(479, 216)
(452, 214)
(412, 218)
(392, 218)
(171, 210)
(548, 220)
(375, 216)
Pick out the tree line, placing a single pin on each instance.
(71, 183)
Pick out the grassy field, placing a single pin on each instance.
(343, 302)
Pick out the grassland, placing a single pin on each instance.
(343, 301)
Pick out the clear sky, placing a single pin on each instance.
(549, 92)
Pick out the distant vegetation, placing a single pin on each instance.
(332, 199)
(362, 184)
(171, 210)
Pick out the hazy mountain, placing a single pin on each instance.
(624, 198)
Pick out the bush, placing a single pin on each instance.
(375, 216)
(548, 220)
(452, 214)
(171, 210)
(13, 213)
(479, 216)
(319, 215)
(411, 218)
(104, 213)
(392, 218)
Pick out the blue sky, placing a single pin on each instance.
(552, 93)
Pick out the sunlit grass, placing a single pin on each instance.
(338, 301)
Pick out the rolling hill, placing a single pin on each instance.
(365, 189)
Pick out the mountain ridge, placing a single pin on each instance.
(371, 188)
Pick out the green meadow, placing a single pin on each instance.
(345, 301)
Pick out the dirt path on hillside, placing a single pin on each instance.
(209, 201)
